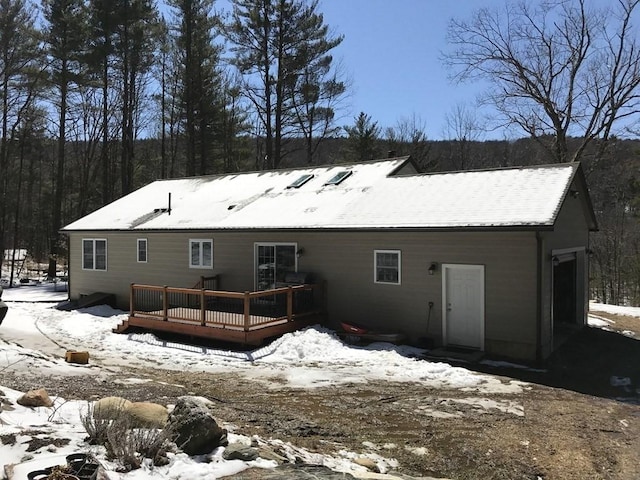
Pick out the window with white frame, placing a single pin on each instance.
(142, 250)
(94, 254)
(387, 266)
(200, 253)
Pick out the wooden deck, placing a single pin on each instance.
(247, 318)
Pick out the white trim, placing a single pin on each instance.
(200, 241)
(455, 266)
(375, 267)
(269, 244)
(106, 258)
(146, 250)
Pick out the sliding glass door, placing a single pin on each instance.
(273, 262)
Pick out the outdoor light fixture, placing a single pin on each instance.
(432, 268)
(299, 252)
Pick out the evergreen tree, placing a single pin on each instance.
(103, 23)
(281, 47)
(200, 82)
(135, 41)
(66, 39)
(20, 55)
(362, 138)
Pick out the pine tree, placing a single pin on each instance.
(103, 23)
(66, 39)
(135, 40)
(20, 55)
(200, 82)
(275, 42)
(362, 139)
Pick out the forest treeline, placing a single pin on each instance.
(99, 97)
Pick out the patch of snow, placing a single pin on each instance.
(503, 364)
(420, 451)
(615, 309)
(600, 322)
(483, 404)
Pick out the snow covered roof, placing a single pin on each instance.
(377, 194)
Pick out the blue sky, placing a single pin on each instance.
(391, 52)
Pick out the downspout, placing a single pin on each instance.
(539, 259)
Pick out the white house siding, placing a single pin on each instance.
(346, 261)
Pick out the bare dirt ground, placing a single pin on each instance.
(575, 423)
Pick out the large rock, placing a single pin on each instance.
(3, 310)
(35, 398)
(110, 408)
(238, 451)
(147, 414)
(197, 432)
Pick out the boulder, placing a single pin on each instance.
(196, 430)
(35, 398)
(147, 414)
(3, 310)
(110, 408)
(238, 451)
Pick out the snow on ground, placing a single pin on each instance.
(615, 309)
(35, 336)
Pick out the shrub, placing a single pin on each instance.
(126, 444)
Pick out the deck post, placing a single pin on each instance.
(247, 313)
(290, 303)
(131, 300)
(203, 309)
(165, 304)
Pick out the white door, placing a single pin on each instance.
(463, 305)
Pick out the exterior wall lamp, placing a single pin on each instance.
(300, 252)
(432, 268)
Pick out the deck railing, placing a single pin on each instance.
(223, 309)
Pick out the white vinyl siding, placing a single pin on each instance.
(142, 250)
(387, 266)
(94, 254)
(200, 253)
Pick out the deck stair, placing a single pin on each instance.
(122, 327)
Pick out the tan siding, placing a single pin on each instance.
(346, 261)
(570, 232)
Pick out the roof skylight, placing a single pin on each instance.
(339, 177)
(301, 181)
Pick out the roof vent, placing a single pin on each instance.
(339, 177)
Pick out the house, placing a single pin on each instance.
(494, 260)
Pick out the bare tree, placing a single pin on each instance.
(462, 128)
(557, 68)
(408, 137)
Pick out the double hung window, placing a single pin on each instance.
(387, 266)
(201, 253)
(94, 254)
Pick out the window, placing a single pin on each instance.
(94, 254)
(273, 262)
(142, 250)
(387, 266)
(339, 177)
(301, 180)
(201, 253)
